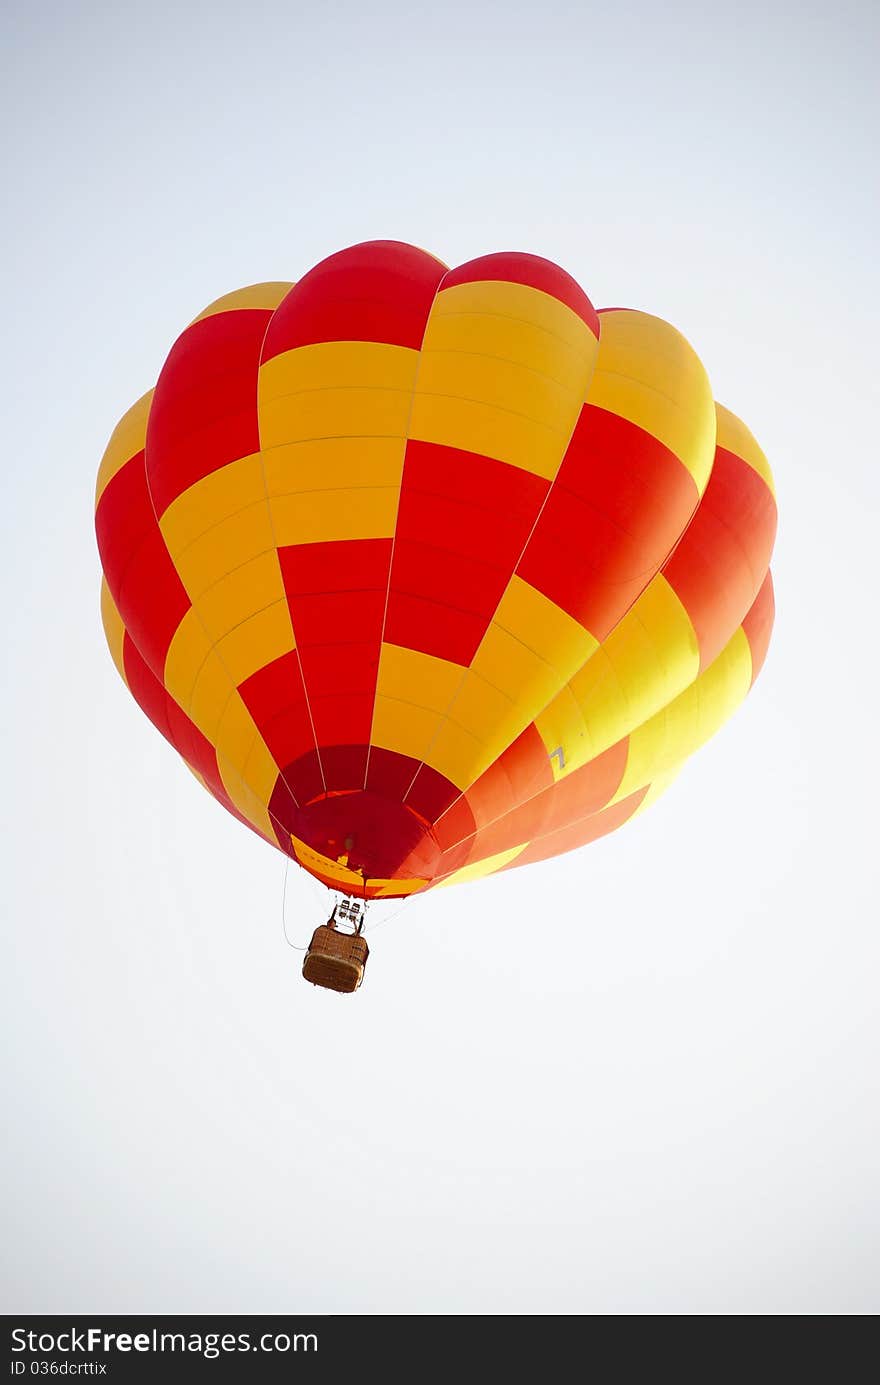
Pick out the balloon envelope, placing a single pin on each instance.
(430, 573)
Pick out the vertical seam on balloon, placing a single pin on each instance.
(233, 688)
(275, 542)
(445, 716)
(187, 709)
(412, 400)
(617, 623)
(756, 583)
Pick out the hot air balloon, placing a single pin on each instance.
(429, 573)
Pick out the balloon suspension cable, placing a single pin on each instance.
(295, 947)
(388, 917)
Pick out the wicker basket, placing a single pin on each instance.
(336, 960)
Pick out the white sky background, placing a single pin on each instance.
(640, 1079)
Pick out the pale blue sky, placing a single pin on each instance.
(685, 1121)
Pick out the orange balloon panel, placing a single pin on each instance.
(427, 573)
